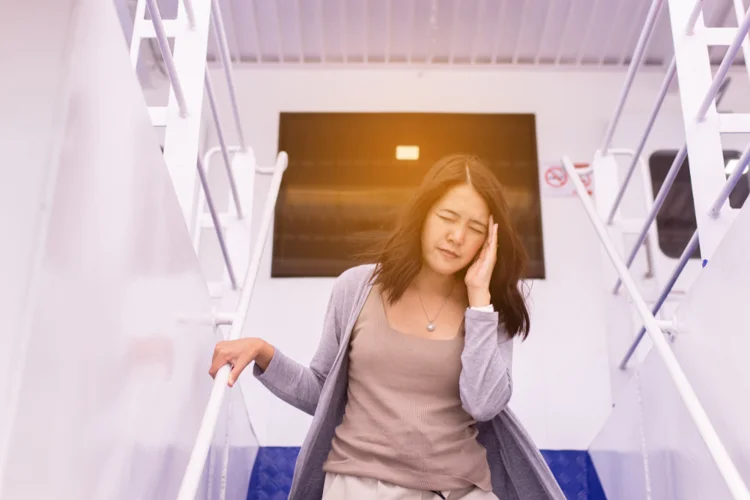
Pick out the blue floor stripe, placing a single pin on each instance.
(272, 474)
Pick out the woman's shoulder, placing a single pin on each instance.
(349, 284)
(354, 278)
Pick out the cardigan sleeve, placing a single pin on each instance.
(299, 385)
(485, 383)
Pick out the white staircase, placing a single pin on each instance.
(677, 429)
(221, 232)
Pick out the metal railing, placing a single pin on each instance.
(166, 53)
(635, 64)
(186, 88)
(162, 35)
(715, 447)
(695, 114)
(714, 95)
(191, 479)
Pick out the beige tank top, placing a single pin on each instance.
(403, 421)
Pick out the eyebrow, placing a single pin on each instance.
(459, 215)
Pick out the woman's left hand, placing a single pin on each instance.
(480, 272)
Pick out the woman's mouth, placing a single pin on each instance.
(448, 254)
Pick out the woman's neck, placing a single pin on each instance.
(429, 281)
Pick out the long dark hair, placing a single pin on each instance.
(399, 255)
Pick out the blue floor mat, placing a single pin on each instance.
(272, 474)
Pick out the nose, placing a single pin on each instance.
(457, 235)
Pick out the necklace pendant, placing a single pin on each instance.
(430, 327)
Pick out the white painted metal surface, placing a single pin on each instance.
(166, 52)
(113, 380)
(619, 451)
(680, 465)
(715, 319)
(703, 128)
(649, 448)
(697, 413)
(184, 110)
(702, 131)
(35, 115)
(192, 478)
(663, 295)
(235, 231)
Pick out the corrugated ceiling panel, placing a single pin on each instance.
(333, 38)
(509, 24)
(578, 18)
(244, 28)
(461, 32)
(402, 23)
(533, 24)
(551, 36)
(289, 25)
(377, 30)
(485, 37)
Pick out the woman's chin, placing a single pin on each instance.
(441, 266)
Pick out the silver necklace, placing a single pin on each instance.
(431, 322)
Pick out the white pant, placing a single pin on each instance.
(342, 487)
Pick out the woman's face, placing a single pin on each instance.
(454, 230)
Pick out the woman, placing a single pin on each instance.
(410, 383)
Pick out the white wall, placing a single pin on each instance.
(562, 390)
(104, 314)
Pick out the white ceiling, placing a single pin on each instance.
(488, 33)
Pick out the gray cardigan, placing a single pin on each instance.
(519, 471)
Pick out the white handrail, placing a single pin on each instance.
(193, 472)
(635, 64)
(681, 263)
(726, 63)
(697, 10)
(223, 144)
(727, 469)
(644, 137)
(226, 61)
(190, 13)
(217, 223)
(166, 53)
(734, 178)
(661, 196)
(646, 186)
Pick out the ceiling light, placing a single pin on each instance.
(407, 152)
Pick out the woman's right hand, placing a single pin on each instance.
(240, 353)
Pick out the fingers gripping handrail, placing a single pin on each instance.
(715, 447)
(191, 479)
